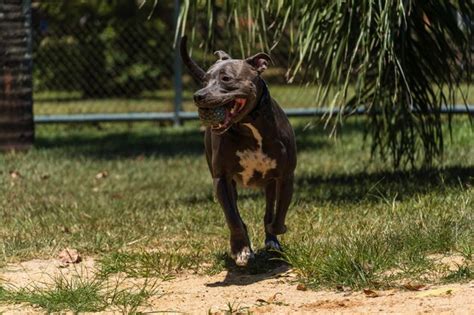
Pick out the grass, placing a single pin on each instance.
(289, 96)
(79, 294)
(161, 101)
(150, 212)
(147, 264)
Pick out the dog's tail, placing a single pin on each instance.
(196, 72)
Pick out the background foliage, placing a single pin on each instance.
(404, 59)
(401, 60)
(110, 42)
(116, 49)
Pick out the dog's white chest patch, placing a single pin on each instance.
(254, 160)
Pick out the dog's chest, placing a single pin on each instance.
(254, 162)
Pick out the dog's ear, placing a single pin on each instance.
(259, 61)
(222, 55)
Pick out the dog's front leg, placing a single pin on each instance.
(284, 195)
(239, 241)
(271, 241)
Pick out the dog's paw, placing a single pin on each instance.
(273, 244)
(242, 258)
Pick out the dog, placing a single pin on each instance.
(254, 146)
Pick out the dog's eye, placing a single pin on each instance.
(226, 78)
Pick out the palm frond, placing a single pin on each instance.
(405, 59)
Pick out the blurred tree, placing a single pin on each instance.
(101, 48)
(16, 107)
(404, 59)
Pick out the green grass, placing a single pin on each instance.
(148, 264)
(160, 101)
(289, 96)
(352, 221)
(80, 294)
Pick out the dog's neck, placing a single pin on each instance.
(263, 98)
(261, 114)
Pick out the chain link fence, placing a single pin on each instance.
(108, 58)
(98, 64)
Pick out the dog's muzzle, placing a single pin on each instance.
(220, 118)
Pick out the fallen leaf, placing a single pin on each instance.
(301, 287)
(15, 174)
(69, 256)
(413, 287)
(436, 292)
(370, 293)
(271, 300)
(262, 301)
(117, 196)
(274, 297)
(391, 293)
(102, 175)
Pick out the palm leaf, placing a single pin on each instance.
(405, 59)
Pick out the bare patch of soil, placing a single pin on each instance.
(41, 273)
(279, 294)
(274, 292)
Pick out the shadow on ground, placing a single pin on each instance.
(127, 144)
(150, 141)
(265, 265)
(380, 185)
(364, 186)
(311, 186)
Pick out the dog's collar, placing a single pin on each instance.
(264, 98)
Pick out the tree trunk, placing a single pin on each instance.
(16, 100)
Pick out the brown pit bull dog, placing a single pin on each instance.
(253, 145)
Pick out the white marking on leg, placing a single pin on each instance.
(242, 258)
(254, 161)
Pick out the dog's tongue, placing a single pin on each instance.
(240, 101)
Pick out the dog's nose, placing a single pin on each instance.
(198, 97)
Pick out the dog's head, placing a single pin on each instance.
(229, 84)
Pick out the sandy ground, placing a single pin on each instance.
(272, 293)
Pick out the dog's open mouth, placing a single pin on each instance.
(221, 118)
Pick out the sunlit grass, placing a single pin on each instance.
(81, 294)
(153, 214)
(288, 96)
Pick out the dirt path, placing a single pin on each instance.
(274, 293)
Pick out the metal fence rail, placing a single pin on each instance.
(94, 66)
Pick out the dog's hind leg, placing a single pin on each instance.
(239, 241)
(284, 193)
(271, 241)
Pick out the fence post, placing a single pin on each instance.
(177, 69)
(16, 87)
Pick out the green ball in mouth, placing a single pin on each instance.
(212, 116)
